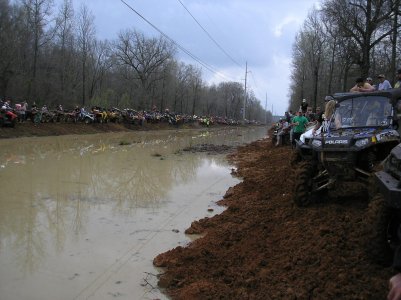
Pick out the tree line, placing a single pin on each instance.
(50, 54)
(340, 41)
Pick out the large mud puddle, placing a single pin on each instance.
(82, 217)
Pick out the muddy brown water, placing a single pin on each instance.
(82, 217)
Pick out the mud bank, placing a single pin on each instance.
(264, 247)
(28, 129)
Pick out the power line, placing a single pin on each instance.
(214, 41)
(254, 80)
(207, 66)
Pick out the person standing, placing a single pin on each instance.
(398, 83)
(288, 117)
(299, 122)
(304, 106)
(21, 110)
(384, 83)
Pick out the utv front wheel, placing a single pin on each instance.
(304, 185)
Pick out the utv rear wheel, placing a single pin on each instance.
(304, 185)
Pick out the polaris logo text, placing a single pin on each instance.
(336, 142)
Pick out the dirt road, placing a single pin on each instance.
(264, 247)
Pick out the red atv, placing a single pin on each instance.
(7, 118)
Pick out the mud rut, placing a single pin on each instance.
(264, 247)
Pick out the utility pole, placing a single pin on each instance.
(243, 110)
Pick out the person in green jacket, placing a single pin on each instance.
(299, 122)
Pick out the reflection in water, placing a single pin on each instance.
(53, 188)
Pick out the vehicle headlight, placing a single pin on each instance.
(362, 142)
(316, 143)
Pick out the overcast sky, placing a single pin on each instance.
(259, 32)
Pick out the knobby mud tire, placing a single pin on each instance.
(377, 221)
(295, 158)
(303, 185)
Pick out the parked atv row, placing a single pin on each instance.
(115, 115)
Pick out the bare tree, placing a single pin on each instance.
(181, 89)
(315, 41)
(343, 39)
(145, 56)
(86, 37)
(55, 58)
(100, 63)
(396, 25)
(7, 57)
(365, 22)
(38, 17)
(196, 84)
(65, 42)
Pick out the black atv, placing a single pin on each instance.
(384, 213)
(360, 136)
(285, 138)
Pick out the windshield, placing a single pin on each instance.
(369, 111)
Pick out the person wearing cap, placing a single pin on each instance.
(398, 83)
(384, 83)
(361, 86)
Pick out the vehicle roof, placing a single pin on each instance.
(394, 94)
